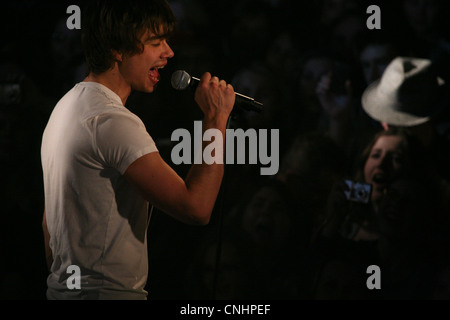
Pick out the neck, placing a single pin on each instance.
(113, 80)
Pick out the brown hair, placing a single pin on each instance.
(117, 25)
(415, 154)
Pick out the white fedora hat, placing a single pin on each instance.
(409, 93)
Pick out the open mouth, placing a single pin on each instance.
(380, 178)
(154, 75)
(380, 182)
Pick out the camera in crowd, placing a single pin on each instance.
(358, 191)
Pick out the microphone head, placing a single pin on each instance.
(180, 80)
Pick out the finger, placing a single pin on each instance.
(215, 79)
(222, 83)
(206, 76)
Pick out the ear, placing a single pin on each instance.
(117, 55)
(385, 125)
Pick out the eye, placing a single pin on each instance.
(375, 155)
(155, 42)
(398, 158)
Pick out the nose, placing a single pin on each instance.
(385, 163)
(167, 52)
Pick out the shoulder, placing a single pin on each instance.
(98, 105)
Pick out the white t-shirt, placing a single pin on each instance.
(96, 219)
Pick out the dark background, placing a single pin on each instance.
(223, 37)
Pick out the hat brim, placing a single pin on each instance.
(383, 108)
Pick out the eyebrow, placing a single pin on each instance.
(399, 151)
(151, 35)
(154, 37)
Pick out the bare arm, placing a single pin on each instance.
(48, 251)
(190, 200)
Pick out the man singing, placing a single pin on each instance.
(101, 168)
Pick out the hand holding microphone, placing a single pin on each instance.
(182, 80)
(214, 97)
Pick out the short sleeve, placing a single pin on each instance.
(121, 138)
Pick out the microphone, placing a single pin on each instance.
(181, 80)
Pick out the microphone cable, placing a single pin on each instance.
(220, 209)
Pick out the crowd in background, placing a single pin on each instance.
(270, 237)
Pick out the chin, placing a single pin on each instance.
(153, 87)
(147, 89)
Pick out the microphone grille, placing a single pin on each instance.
(180, 80)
